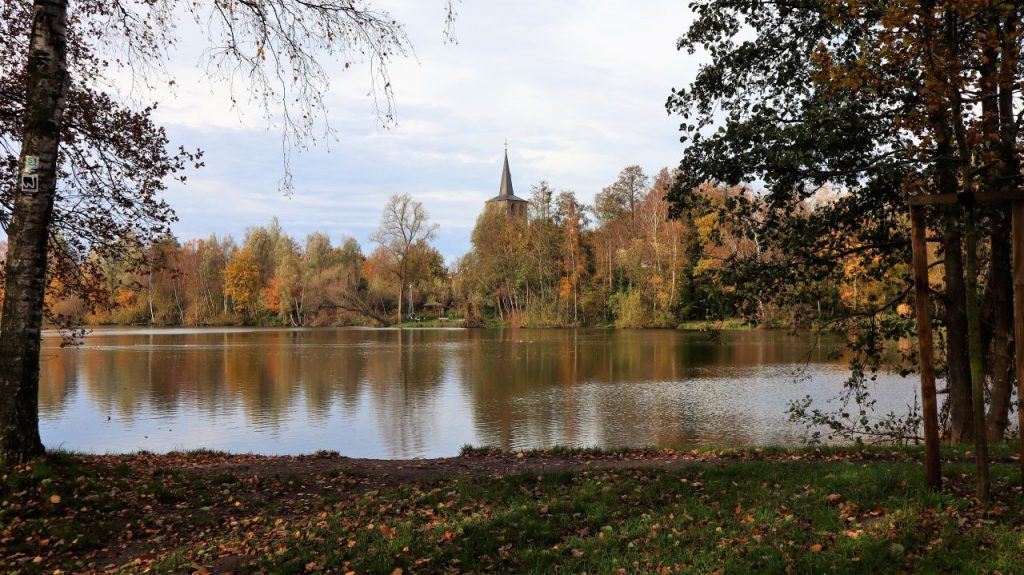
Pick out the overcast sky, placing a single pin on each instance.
(577, 87)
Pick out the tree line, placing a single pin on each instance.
(267, 278)
(626, 260)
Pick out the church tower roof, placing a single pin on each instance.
(505, 192)
(506, 180)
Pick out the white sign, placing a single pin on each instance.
(29, 184)
(31, 164)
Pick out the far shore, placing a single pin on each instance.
(694, 325)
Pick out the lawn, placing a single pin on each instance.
(567, 511)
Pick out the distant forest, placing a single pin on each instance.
(626, 261)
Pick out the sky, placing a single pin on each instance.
(576, 87)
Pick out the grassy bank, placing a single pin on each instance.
(661, 511)
(728, 324)
(431, 323)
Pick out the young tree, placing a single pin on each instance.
(628, 191)
(541, 197)
(403, 224)
(574, 222)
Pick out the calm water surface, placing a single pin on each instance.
(425, 393)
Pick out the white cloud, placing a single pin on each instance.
(578, 88)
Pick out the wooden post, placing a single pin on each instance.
(1018, 316)
(977, 355)
(922, 294)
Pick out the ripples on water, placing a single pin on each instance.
(425, 393)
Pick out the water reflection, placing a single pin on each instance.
(410, 393)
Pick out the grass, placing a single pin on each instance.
(714, 325)
(429, 323)
(748, 517)
(825, 510)
(999, 452)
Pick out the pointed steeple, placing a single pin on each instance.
(506, 179)
(506, 200)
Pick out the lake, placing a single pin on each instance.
(389, 393)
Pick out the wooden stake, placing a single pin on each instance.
(922, 295)
(977, 356)
(1018, 316)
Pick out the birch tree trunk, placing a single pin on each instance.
(28, 236)
(149, 296)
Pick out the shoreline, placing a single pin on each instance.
(700, 327)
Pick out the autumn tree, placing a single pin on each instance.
(613, 232)
(542, 255)
(661, 250)
(201, 264)
(542, 197)
(877, 101)
(348, 286)
(574, 258)
(403, 224)
(497, 268)
(329, 274)
(628, 191)
(242, 284)
(73, 152)
(560, 268)
(70, 152)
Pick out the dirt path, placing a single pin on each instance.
(392, 471)
(475, 463)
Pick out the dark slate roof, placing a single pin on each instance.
(505, 194)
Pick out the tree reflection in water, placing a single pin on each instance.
(409, 393)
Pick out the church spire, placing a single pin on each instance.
(506, 178)
(506, 201)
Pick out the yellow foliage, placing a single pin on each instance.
(565, 289)
(272, 295)
(125, 298)
(663, 297)
(242, 281)
(706, 226)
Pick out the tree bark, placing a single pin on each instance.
(1002, 246)
(149, 296)
(953, 168)
(21, 322)
(1001, 288)
(958, 374)
(977, 359)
